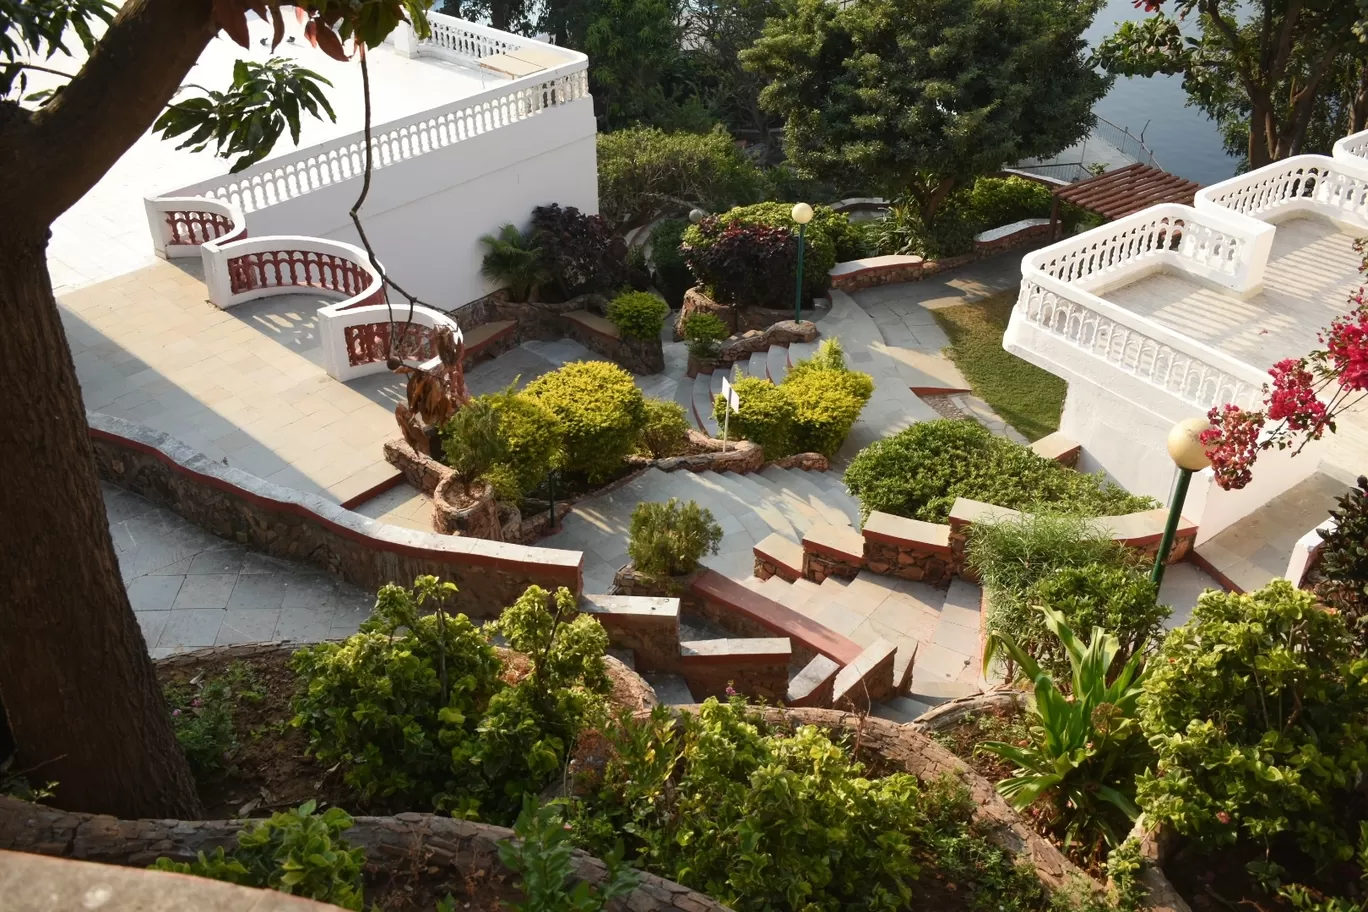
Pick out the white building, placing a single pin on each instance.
(1162, 315)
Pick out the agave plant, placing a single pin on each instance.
(1084, 749)
(515, 261)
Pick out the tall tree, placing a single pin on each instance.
(1266, 70)
(715, 34)
(78, 686)
(921, 96)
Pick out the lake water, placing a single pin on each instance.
(1183, 139)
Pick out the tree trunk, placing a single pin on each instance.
(79, 688)
(1358, 118)
(1262, 132)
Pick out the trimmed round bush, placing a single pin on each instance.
(826, 404)
(666, 430)
(532, 436)
(765, 416)
(638, 315)
(920, 471)
(601, 411)
(704, 332)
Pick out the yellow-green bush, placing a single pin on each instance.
(601, 412)
(666, 430)
(812, 411)
(638, 315)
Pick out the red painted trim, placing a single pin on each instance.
(374, 491)
(573, 575)
(937, 390)
(717, 588)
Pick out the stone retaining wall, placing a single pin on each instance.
(460, 850)
(304, 527)
(850, 276)
(548, 322)
(757, 667)
(738, 319)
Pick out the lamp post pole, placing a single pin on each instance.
(802, 214)
(1188, 454)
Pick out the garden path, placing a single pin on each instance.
(191, 589)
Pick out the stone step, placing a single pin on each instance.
(798, 595)
(715, 382)
(671, 689)
(834, 494)
(727, 485)
(758, 365)
(799, 351)
(800, 516)
(703, 404)
(793, 483)
(777, 362)
(684, 396)
(754, 584)
(900, 709)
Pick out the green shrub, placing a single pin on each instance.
(703, 332)
(1256, 709)
(825, 234)
(666, 432)
(638, 315)
(1343, 583)
(742, 264)
(202, 716)
(765, 416)
(669, 539)
(582, 252)
(531, 441)
(296, 852)
(919, 472)
(764, 820)
(827, 399)
(672, 274)
(413, 705)
(600, 410)
(1121, 600)
(811, 411)
(998, 201)
(471, 441)
(542, 856)
(516, 261)
(1085, 748)
(644, 172)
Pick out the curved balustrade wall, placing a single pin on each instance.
(1334, 188)
(181, 224)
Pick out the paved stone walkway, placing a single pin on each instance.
(233, 384)
(1257, 548)
(191, 589)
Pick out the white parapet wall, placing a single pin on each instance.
(1131, 378)
(442, 178)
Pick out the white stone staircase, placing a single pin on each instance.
(935, 631)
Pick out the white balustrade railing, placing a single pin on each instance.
(1061, 285)
(357, 339)
(457, 39)
(1227, 251)
(303, 171)
(180, 224)
(1353, 147)
(1335, 188)
(1152, 353)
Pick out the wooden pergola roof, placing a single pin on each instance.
(1127, 190)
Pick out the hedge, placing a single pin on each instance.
(638, 315)
(920, 471)
(601, 410)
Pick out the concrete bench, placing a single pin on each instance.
(868, 272)
(1005, 237)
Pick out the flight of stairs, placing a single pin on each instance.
(698, 395)
(936, 631)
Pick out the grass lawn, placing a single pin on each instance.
(1028, 398)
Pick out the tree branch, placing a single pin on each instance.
(66, 147)
(1212, 9)
(43, 69)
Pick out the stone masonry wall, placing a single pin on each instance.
(303, 527)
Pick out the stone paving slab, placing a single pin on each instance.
(190, 589)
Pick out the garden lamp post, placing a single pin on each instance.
(802, 214)
(697, 215)
(1186, 450)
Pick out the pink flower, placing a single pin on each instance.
(175, 712)
(1232, 444)
(1223, 817)
(731, 691)
(195, 703)
(1293, 397)
(1346, 345)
